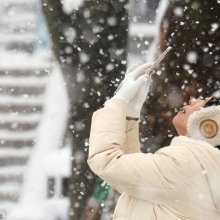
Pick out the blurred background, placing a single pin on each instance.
(60, 61)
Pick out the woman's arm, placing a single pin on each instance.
(131, 144)
(122, 165)
(138, 174)
(114, 149)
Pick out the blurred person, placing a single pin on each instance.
(179, 181)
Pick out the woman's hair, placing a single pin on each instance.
(214, 101)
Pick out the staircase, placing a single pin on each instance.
(24, 74)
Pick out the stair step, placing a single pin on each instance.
(21, 37)
(5, 152)
(11, 178)
(8, 2)
(21, 109)
(21, 100)
(10, 197)
(17, 135)
(18, 144)
(18, 91)
(18, 126)
(23, 81)
(19, 28)
(26, 72)
(27, 18)
(9, 193)
(17, 8)
(31, 118)
(12, 170)
(22, 62)
(13, 161)
(12, 157)
(19, 46)
(9, 188)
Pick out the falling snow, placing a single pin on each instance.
(57, 70)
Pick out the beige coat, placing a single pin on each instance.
(181, 181)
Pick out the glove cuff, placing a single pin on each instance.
(132, 118)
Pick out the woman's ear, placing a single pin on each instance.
(208, 128)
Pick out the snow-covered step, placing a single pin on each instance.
(21, 109)
(18, 8)
(21, 37)
(13, 2)
(18, 126)
(9, 187)
(21, 100)
(27, 47)
(9, 193)
(13, 161)
(11, 178)
(5, 152)
(22, 91)
(12, 170)
(26, 19)
(23, 81)
(23, 62)
(26, 72)
(19, 46)
(33, 118)
(17, 143)
(39, 55)
(17, 135)
(16, 29)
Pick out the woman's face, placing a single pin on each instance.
(181, 118)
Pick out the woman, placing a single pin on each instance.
(180, 181)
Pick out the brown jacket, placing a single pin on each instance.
(181, 181)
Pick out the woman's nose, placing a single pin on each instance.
(192, 101)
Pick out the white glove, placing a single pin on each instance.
(134, 89)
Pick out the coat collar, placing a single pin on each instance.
(183, 140)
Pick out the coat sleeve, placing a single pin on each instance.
(126, 168)
(131, 143)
